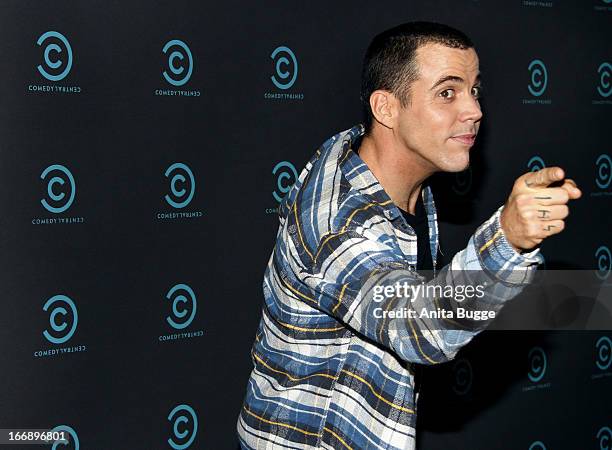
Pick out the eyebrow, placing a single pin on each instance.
(454, 78)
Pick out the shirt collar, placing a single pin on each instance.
(363, 180)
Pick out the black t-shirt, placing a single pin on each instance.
(419, 224)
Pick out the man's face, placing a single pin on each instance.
(442, 118)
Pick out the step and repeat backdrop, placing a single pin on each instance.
(144, 149)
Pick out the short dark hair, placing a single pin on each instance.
(390, 60)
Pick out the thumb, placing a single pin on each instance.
(544, 177)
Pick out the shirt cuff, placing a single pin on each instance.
(498, 257)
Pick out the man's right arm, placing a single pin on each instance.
(347, 270)
(351, 272)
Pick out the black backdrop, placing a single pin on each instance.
(118, 368)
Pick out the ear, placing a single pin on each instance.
(384, 107)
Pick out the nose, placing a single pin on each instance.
(470, 110)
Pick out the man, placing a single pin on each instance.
(333, 368)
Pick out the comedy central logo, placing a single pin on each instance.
(184, 422)
(56, 63)
(538, 82)
(539, 77)
(180, 62)
(285, 176)
(462, 377)
(538, 3)
(63, 321)
(285, 65)
(55, 45)
(604, 438)
(603, 352)
(603, 5)
(182, 192)
(537, 445)
(178, 69)
(68, 434)
(535, 163)
(181, 189)
(605, 87)
(63, 318)
(60, 191)
(536, 364)
(183, 300)
(61, 188)
(603, 163)
(603, 257)
(183, 308)
(463, 182)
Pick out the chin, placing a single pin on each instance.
(455, 165)
(457, 158)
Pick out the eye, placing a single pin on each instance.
(447, 94)
(477, 91)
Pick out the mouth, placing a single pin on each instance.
(465, 139)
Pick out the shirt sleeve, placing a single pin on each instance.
(351, 276)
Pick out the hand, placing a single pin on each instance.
(535, 211)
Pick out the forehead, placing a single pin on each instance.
(436, 60)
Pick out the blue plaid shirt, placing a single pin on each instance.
(326, 374)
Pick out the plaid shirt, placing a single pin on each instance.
(325, 377)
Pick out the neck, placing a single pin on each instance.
(401, 173)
